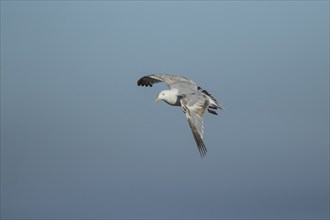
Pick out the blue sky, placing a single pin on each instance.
(79, 139)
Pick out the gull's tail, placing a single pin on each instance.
(214, 104)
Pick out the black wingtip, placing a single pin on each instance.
(202, 150)
(139, 83)
(144, 81)
(212, 112)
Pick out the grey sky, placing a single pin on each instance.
(80, 139)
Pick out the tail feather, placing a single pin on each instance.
(213, 102)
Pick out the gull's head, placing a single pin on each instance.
(162, 96)
(169, 96)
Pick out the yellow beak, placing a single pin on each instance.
(157, 100)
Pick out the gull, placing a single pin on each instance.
(193, 100)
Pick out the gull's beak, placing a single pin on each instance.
(157, 100)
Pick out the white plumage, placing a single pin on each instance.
(193, 100)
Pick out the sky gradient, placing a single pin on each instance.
(79, 138)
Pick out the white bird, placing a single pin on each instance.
(192, 99)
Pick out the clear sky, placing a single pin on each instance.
(79, 138)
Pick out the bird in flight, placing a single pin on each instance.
(193, 100)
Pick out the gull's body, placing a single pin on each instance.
(192, 99)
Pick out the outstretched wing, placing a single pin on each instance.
(194, 106)
(170, 80)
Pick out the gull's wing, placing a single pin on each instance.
(170, 80)
(194, 106)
